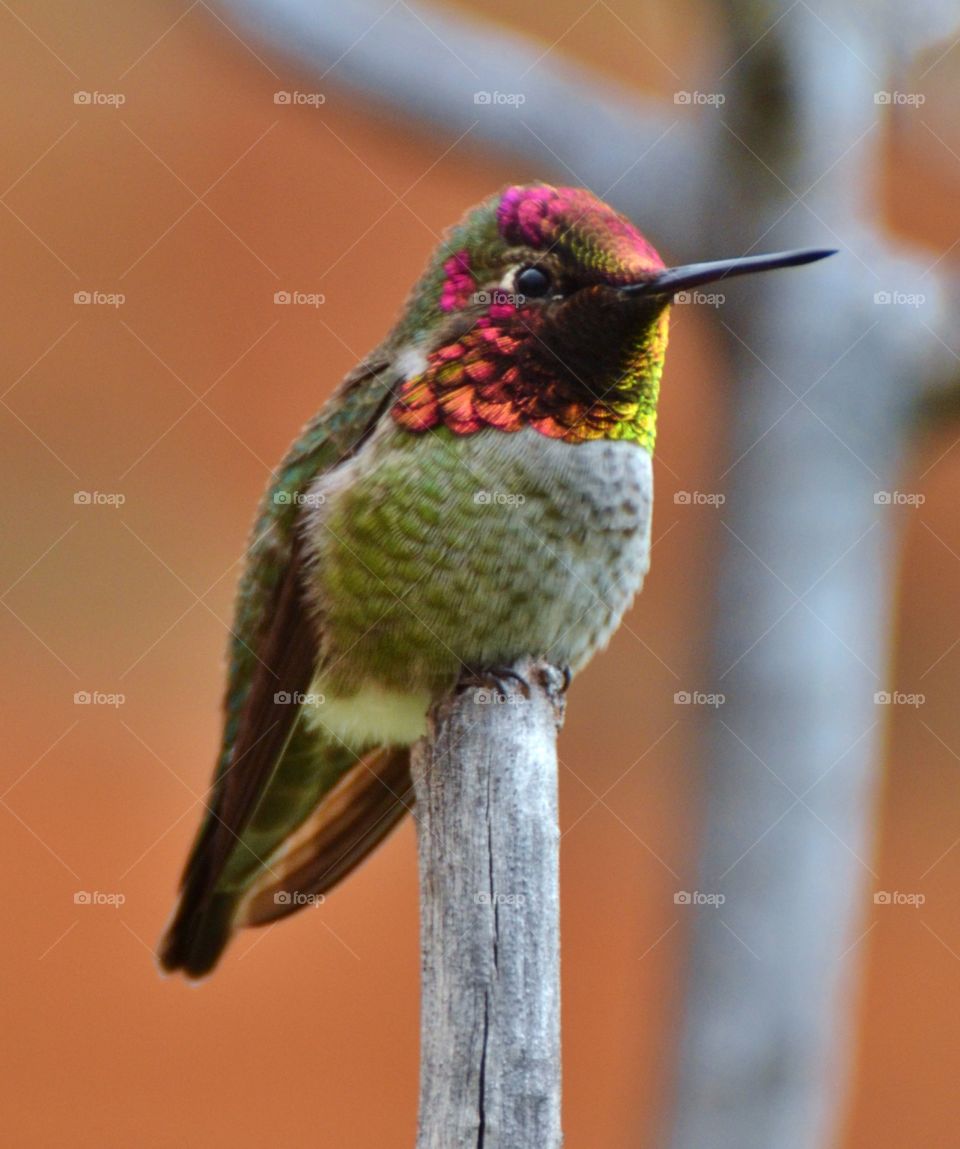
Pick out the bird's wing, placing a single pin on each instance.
(273, 651)
(354, 816)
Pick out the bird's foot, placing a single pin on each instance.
(555, 680)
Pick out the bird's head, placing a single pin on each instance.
(545, 307)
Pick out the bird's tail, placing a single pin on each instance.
(199, 934)
(351, 818)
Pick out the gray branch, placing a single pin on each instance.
(828, 374)
(486, 788)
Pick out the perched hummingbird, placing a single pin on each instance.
(476, 491)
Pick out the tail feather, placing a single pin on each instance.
(352, 818)
(199, 934)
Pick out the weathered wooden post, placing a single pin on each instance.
(486, 786)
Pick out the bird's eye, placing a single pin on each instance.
(533, 282)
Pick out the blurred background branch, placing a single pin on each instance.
(430, 66)
(814, 443)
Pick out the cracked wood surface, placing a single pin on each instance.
(488, 841)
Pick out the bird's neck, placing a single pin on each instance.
(485, 379)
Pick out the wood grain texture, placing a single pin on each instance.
(486, 787)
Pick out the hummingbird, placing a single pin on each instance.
(478, 490)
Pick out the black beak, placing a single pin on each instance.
(673, 279)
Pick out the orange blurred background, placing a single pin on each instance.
(179, 400)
